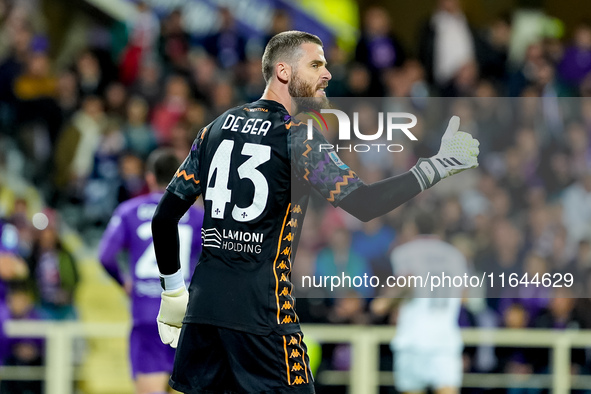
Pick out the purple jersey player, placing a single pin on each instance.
(130, 230)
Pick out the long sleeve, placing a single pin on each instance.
(165, 232)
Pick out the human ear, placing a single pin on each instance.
(283, 72)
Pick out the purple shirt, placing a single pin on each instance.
(130, 229)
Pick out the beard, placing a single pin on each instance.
(303, 95)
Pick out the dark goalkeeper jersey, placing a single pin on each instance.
(255, 169)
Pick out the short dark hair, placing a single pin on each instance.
(284, 46)
(163, 163)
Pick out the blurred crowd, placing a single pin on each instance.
(81, 130)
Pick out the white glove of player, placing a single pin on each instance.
(458, 152)
(173, 306)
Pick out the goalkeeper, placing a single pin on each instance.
(240, 331)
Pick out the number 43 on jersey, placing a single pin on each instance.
(220, 167)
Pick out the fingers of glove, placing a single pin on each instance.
(167, 333)
(475, 142)
(177, 334)
(452, 127)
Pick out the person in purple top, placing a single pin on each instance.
(130, 229)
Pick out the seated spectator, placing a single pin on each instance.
(174, 43)
(171, 109)
(68, 96)
(91, 78)
(515, 360)
(227, 46)
(148, 84)
(139, 135)
(181, 139)
(21, 351)
(100, 191)
(116, 101)
(54, 272)
(76, 147)
(339, 259)
(12, 267)
(133, 184)
(373, 242)
(144, 30)
(378, 48)
(576, 62)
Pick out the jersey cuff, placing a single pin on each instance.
(417, 174)
(173, 281)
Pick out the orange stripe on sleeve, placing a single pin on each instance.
(186, 176)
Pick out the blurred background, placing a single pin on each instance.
(89, 88)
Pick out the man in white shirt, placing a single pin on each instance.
(428, 344)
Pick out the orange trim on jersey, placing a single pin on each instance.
(338, 185)
(306, 174)
(275, 263)
(303, 357)
(308, 149)
(288, 126)
(187, 177)
(286, 359)
(204, 131)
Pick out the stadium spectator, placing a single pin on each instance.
(576, 202)
(12, 267)
(144, 31)
(339, 257)
(133, 184)
(92, 79)
(446, 44)
(100, 190)
(115, 101)
(148, 84)
(518, 361)
(139, 136)
(76, 147)
(378, 48)
(54, 273)
(21, 351)
(171, 108)
(576, 62)
(68, 96)
(373, 242)
(227, 45)
(174, 43)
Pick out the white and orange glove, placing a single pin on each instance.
(458, 152)
(173, 306)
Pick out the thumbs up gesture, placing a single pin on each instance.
(458, 152)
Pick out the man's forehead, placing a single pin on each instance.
(312, 51)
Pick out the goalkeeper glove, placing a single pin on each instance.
(173, 305)
(458, 152)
